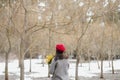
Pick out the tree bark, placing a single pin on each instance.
(49, 49)
(98, 63)
(30, 69)
(48, 70)
(109, 60)
(43, 60)
(112, 52)
(76, 72)
(88, 59)
(6, 66)
(112, 66)
(101, 75)
(89, 63)
(80, 61)
(21, 60)
(7, 54)
(22, 68)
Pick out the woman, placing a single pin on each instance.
(59, 65)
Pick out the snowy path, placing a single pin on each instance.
(39, 72)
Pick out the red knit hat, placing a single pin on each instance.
(60, 47)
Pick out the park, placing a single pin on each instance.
(30, 30)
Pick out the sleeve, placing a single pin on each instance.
(52, 67)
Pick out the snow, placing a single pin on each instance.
(38, 70)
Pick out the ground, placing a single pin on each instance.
(107, 76)
(39, 72)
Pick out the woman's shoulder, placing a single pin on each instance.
(62, 61)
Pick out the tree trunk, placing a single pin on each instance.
(80, 61)
(112, 67)
(6, 66)
(21, 60)
(109, 60)
(30, 69)
(89, 63)
(7, 55)
(49, 49)
(22, 68)
(88, 60)
(98, 63)
(101, 75)
(76, 72)
(43, 60)
(48, 70)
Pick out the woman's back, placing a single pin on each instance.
(61, 70)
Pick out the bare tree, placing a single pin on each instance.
(7, 54)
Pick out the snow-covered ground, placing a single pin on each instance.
(38, 70)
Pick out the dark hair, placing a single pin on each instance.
(59, 54)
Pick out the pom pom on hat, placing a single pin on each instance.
(60, 47)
